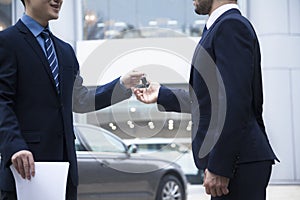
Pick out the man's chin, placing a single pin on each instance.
(199, 12)
(54, 16)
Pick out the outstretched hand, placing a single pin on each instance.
(148, 95)
(131, 79)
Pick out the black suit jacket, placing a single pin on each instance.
(33, 116)
(225, 97)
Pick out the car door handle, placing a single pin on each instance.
(104, 163)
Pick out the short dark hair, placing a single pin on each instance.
(23, 2)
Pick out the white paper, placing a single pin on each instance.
(49, 182)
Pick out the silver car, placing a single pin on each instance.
(108, 169)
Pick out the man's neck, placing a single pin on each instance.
(42, 22)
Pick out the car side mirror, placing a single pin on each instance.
(184, 150)
(132, 148)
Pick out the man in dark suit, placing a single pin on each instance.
(225, 99)
(39, 86)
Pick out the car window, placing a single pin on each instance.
(79, 146)
(97, 140)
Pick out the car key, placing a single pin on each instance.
(144, 84)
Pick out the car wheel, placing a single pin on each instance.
(170, 188)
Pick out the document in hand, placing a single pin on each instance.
(49, 182)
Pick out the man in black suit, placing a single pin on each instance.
(225, 99)
(39, 75)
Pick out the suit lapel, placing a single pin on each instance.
(199, 46)
(33, 43)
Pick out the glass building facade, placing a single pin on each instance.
(5, 14)
(105, 19)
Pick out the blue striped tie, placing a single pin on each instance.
(51, 56)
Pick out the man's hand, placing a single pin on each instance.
(131, 79)
(215, 185)
(148, 95)
(24, 163)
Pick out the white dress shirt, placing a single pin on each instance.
(218, 12)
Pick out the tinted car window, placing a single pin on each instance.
(99, 142)
(79, 146)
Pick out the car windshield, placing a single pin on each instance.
(97, 140)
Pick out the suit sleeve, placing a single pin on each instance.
(91, 99)
(233, 45)
(94, 98)
(174, 100)
(11, 140)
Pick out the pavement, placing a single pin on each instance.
(274, 192)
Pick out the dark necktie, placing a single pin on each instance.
(204, 32)
(51, 57)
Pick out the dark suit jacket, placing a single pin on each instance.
(225, 97)
(33, 116)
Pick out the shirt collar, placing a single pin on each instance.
(218, 12)
(32, 25)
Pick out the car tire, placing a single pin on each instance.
(170, 188)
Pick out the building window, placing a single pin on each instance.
(106, 19)
(5, 14)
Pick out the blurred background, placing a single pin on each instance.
(89, 25)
